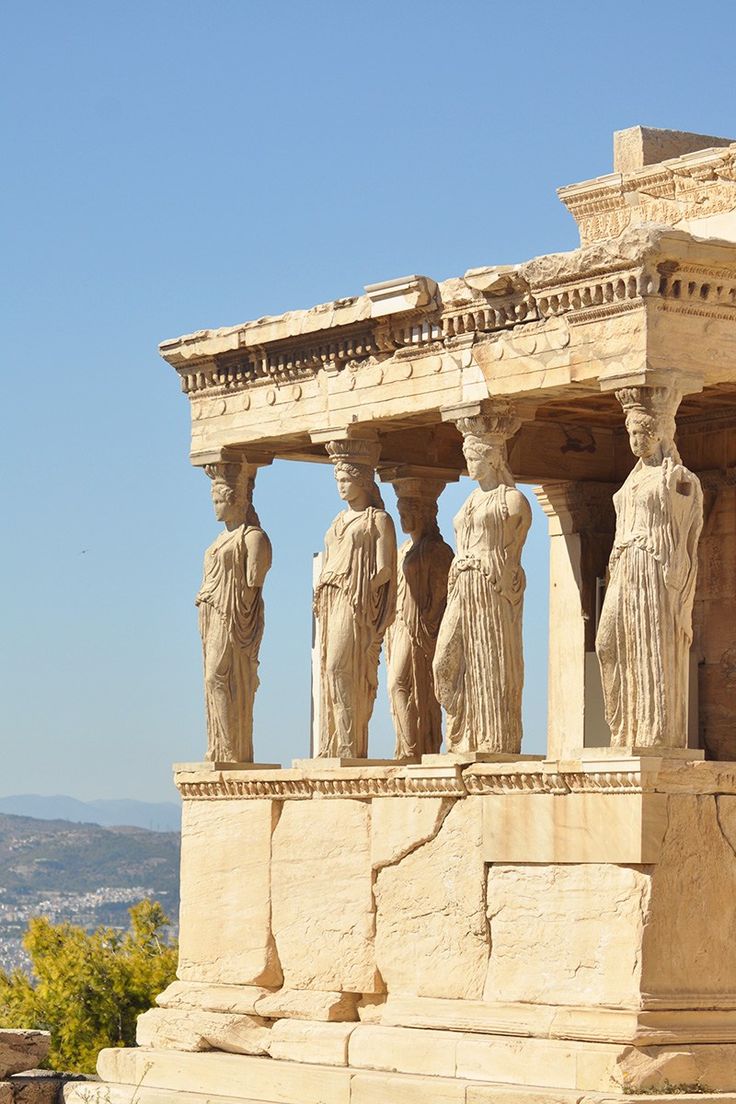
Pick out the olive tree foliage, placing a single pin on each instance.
(88, 988)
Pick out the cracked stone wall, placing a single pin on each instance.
(323, 912)
(431, 929)
(225, 916)
(566, 934)
(393, 896)
(689, 942)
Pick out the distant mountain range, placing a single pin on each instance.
(164, 816)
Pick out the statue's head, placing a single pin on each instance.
(485, 459)
(416, 502)
(232, 488)
(650, 420)
(484, 441)
(645, 434)
(354, 463)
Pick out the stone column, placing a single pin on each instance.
(424, 561)
(231, 609)
(645, 633)
(354, 600)
(714, 617)
(581, 527)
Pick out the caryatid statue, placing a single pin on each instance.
(423, 566)
(478, 663)
(645, 630)
(231, 612)
(354, 601)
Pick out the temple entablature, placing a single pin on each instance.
(559, 332)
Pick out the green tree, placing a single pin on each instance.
(88, 988)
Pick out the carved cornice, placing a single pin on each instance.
(688, 187)
(644, 776)
(305, 788)
(581, 297)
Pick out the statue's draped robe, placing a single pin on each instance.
(479, 665)
(231, 622)
(410, 645)
(645, 630)
(353, 616)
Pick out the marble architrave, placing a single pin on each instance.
(645, 630)
(478, 664)
(423, 567)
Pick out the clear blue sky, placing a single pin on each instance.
(170, 165)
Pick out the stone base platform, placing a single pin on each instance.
(531, 932)
(146, 1076)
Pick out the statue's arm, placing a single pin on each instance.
(436, 596)
(258, 558)
(385, 551)
(517, 527)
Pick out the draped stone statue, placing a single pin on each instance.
(231, 613)
(423, 567)
(354, 601)
(645, 630)
(478, 664)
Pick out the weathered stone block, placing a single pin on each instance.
(566, 934)
(403, 1050)
(304, 1004)
(323, 913)
(400, 825)
(431, 928)
(688, 949)
(226, 893)
(386, 1088)
(214, 1075)
(198, 995)
(312, 1042)
(183, 1029)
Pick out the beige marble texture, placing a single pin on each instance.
(322, 902)
(433, 901)
(226, 855)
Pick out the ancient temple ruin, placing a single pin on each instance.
(476, 925)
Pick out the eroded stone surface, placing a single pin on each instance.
(323, 917)
(212, 998)
(400, 825)
(567, 934)
(694, 1069)
(226, 893)
(183, 1029)
(304, 1004)
(312, 1042)
(688, 949)
(22, 1050)
(431, 928)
